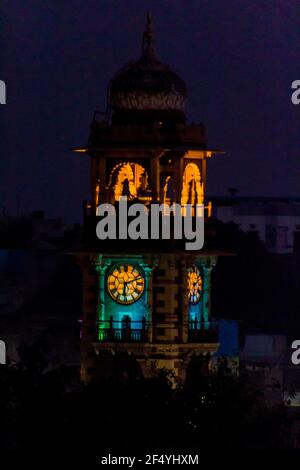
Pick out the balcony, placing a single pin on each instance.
(127, 331)
(122, 332)
(120, 335)
(203, 332)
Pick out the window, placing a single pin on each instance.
(276, 237)
(282, 238)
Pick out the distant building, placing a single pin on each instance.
(229, 343)
(36, 231)
(267, 362)
(39, 298)
(275, 220)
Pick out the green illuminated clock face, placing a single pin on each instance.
(194, 285)
(125, 283)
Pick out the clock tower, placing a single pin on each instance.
(145, 301)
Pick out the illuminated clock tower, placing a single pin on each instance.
(145, 300)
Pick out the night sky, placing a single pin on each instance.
(238, 58)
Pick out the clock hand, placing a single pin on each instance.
(135, 279)
(125, 284)
(129, 282)
(124, 288)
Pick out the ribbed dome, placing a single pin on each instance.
(147, 84)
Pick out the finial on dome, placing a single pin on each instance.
(147, 85)
(148, 21)
(148, 38)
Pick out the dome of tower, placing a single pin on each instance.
(147, 84)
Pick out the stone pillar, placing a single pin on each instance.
(88, 320)
(148, 298)
(203, 175)
(101, 297)
(178, 179)
(101, 267)
(206, 292)
(103, 194)
(184, 303)
(166, 305)
(155, 178)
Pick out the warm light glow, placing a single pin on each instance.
(192, 187)
(195, 154)
(125, 283)
(80, 150)
(194, 285)
(209, 209)
(97, 194)
(128, 179)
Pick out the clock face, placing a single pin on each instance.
(125, 283)
(194, 285)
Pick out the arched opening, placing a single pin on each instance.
(192, 186)
(123, 183)
(130, 180)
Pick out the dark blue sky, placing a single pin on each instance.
(238, 58)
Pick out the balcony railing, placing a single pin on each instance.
(122, 332)
(120, 335)
(203, 332)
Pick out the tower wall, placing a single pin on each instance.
(164, 302)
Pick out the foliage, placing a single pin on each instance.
(49, 409)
